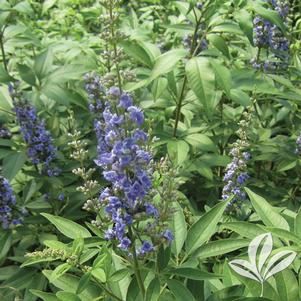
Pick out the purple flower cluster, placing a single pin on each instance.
(4, 132)
(41, 150)
(202, 43)
(269, 36)
(236, 176)
(95, 91)
(8, 214)
(125, 160)
(281, 7)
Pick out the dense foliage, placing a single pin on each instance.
(150, 150)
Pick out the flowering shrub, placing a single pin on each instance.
(145, 146)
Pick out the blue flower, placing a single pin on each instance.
(167, 234)
(125, 244)
(146, 247)
(95, 90)
(269, 36)
(136, 115)
(151, 210)
(113, 92)
(235, 176)
(4, 132)
(39, 141)
(126, 100)
(9, 214)
(61, 197)
(124, 158)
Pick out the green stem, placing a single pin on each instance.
(136, 265)
(179, 107)
(3, 52)
(7, 112)
(261, 293)
(115, 47)
(181, 97)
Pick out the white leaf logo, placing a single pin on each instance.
(278, 263)
(253, 269)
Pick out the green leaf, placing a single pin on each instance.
(153, 290)
(159, 87)
(252, 299)
(203, 229)
(27, 74)
(99, 274)
(245, 21)
(180, 291)
(228, 27)
(166, 62)
(5, 244)
(219, 43)
(244, 229)
(297, 224)
(44, 296)
(7, 272)
(284, 234)
(133, 293)
(222, 76)
(59, 271)
(195, 274)
(201, 80)
(287, 286)
(83, 282)
(21, 280)
(178, 151)
(4, 76)
(119, 275)
(12, 164)
(69, 283)
(66, 73)
(202, 168)
(179, 229)
(220, 247)
(137, 51)
(266, 212)
(67, 227)
(43, 64)
(23, 7)
(47, 4)
(120, 288)
(240, 97)
(67, 296)
(163, 257)
(201, 141)
(57, 93)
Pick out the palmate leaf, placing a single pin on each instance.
(253, 270)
